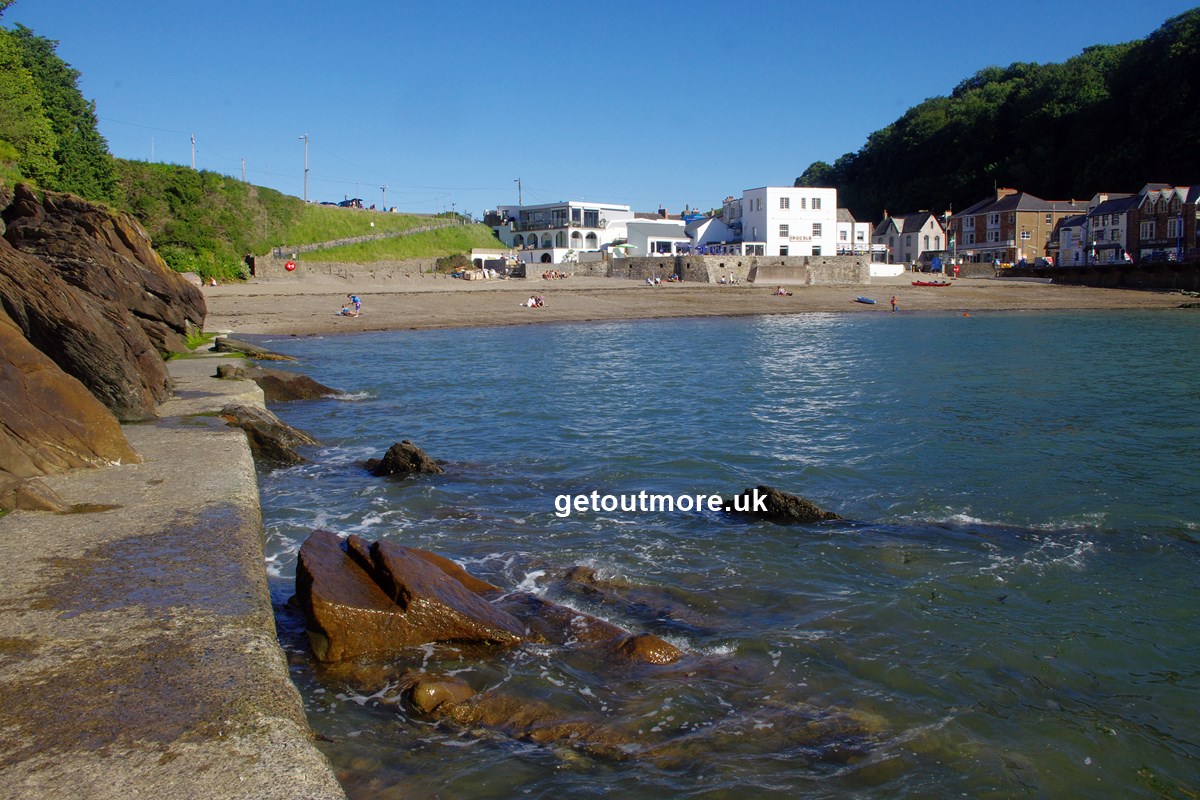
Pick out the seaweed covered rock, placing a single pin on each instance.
(279, 386)
(403, 458)
(782, 508)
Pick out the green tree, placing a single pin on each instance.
(24, 124)
(84, 164)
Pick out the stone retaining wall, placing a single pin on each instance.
(787, 270)
(271, 267)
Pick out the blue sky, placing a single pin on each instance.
(447, 104)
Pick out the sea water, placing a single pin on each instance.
(1009, 609)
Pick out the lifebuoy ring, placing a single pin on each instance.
(289, 266)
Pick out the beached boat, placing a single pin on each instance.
(867, 300)
(931, 283)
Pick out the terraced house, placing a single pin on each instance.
(1011, 227)
(1166, 219)
(906, 238)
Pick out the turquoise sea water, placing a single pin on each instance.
(1009, 612)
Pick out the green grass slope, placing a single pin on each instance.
(205, 222)
(429, 244)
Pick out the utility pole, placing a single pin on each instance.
(520, 201)
(193, 151)
(384, 190)
(453, 213)
(305, 138)
(243, 170)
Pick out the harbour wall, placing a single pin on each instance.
(779, 270)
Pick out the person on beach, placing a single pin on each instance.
(346, 312)
(893, 304)
(357, 303)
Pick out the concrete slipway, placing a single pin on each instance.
(138, 655)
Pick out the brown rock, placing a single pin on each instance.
(438, 604)
(271, 439)
(648, 648)
(224, 344)
(779, 507)
(348, 615)
(476, 585)
(279, 386)
(108, 255)
(49, 421)
(403, 458)
(401, 601)
(429, 694)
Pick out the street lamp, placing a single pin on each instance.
(305, 138)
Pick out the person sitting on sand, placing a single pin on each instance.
(346, 312)
(779, 292)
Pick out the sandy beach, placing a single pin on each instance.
(309, 305)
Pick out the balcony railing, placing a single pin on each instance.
(556, 223)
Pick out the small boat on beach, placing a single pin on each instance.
(867, 300)
(931, 283)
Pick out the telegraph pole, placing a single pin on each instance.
(520, 202)
(384, 190)
(305, 138)
(193, 151)
(243, 170)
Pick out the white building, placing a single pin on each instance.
(545, 234)
(656, 237)
(790, 220)
(853, 237)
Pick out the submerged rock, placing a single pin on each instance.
(271, 439)
(403, 458)
(279, 386)
(782, 508)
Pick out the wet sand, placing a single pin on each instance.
(309, 305)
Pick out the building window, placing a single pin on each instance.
(891, 242)
(1012, 218)
(937, 242)
(1025, 235)
(817, 250)
(927, 242)
(783, 231)
(842, 235)
(1173, 228)
(970, 238)
(816, 204)
(816, 230)
(1148, 229)
(858, 237)
(993, 219)
(804, 202)
(785, 203)
(908, 240)
(783, 251)
(969, 223)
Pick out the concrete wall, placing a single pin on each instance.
(788, 270)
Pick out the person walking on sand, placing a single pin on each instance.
(893, 304)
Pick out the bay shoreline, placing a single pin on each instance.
(308, 305)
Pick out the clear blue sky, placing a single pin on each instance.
(624, 101)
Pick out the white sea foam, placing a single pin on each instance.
(529, 582)
(351, 397)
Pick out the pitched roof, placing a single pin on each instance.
(1116, 204)
(844, 215)
(1019, 201)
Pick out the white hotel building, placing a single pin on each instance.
(790, 220)
(545, 233)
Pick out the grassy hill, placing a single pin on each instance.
(429, 244)
(206, 222)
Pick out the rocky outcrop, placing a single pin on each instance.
(271, 439)
(403, 458)
(49, 422)
(85, 288)
(379, 599)
(782, 508)
(279, 386)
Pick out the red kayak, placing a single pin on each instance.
(931, 283)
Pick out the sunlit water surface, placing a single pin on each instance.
(1011, 611)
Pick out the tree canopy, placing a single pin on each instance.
(1111, 118)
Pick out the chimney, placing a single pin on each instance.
(1002, 192)
(662, 212)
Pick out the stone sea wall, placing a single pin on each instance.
(787, 270)
(269, 267)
